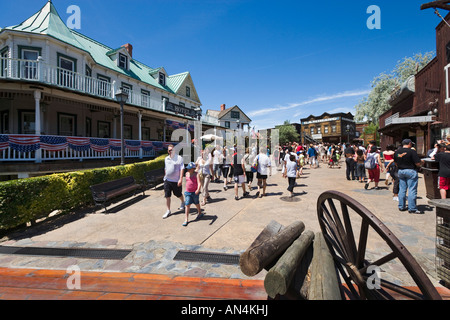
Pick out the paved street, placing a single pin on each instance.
(229, 226)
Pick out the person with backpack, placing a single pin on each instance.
(374, 166)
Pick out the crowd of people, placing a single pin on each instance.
(238, 166)
(235, 165)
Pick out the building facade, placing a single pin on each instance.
(328, 128)
(57, 97)
(420, 106)
(231, 118)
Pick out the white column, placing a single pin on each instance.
(37, 103)
(140, 132)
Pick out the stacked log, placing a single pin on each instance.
(299, 263)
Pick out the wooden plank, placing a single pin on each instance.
(52, 284)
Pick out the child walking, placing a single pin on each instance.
(291, 173)
(192, 192)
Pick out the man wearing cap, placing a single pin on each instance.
(407, 162)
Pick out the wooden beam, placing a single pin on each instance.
(436, 5)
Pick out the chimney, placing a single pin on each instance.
(222, 107)
(129, 48)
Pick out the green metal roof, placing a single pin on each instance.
(48, 22)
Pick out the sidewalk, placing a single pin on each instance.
(229, 226)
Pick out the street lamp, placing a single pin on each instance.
(122, 97)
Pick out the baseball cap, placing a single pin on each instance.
(406, 142)
(191, 165)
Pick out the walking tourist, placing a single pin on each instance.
(350, 162)
(360, 168)
(173, 179)
(249, 157)
(291, 173)
(264, 165)
(192, 192)
(217, 163)
(407, 161)
(204, 166)
(373, 166)
(388, 156)
(239, 172)
(226, 159)
(444, 171)
(312, 155)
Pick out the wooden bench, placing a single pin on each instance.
(153, 177)
(104, 192)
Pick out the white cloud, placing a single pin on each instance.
(346, 94)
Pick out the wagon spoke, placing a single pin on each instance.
(349, 231)
(335, 232)
(363, 236)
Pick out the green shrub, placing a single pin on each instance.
(27, 200)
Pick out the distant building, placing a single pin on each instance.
(328, 128)
(230, 118)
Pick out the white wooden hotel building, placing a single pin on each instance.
(57, 99)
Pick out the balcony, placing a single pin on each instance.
(35, 148)
(41, 72)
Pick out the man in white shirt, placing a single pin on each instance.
(173, 179)
(264, 165)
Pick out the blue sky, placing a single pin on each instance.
(277, 60)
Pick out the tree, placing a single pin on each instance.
(375, 104)
(287, 133)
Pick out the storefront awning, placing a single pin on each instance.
(409, 120)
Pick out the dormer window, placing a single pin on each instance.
(123, 61)
(162, 79)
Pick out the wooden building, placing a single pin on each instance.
(420, 105)
(328, 128)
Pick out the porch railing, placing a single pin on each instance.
(16, 148)
(39, 71)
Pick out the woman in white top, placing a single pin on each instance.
(204, 165)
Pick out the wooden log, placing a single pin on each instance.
(324, 283)
(278, 279)
(269, 231)
(259, 256)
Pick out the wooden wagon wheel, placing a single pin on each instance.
(350, 257)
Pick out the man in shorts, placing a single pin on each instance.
(173, 179)
(263, 171)
(239, 172)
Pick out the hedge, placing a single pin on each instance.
(27, 200)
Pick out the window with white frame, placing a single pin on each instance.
(162, 79)
(123, 61)
(447, 84)
(145, 98)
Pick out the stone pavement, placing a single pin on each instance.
(229, 226)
